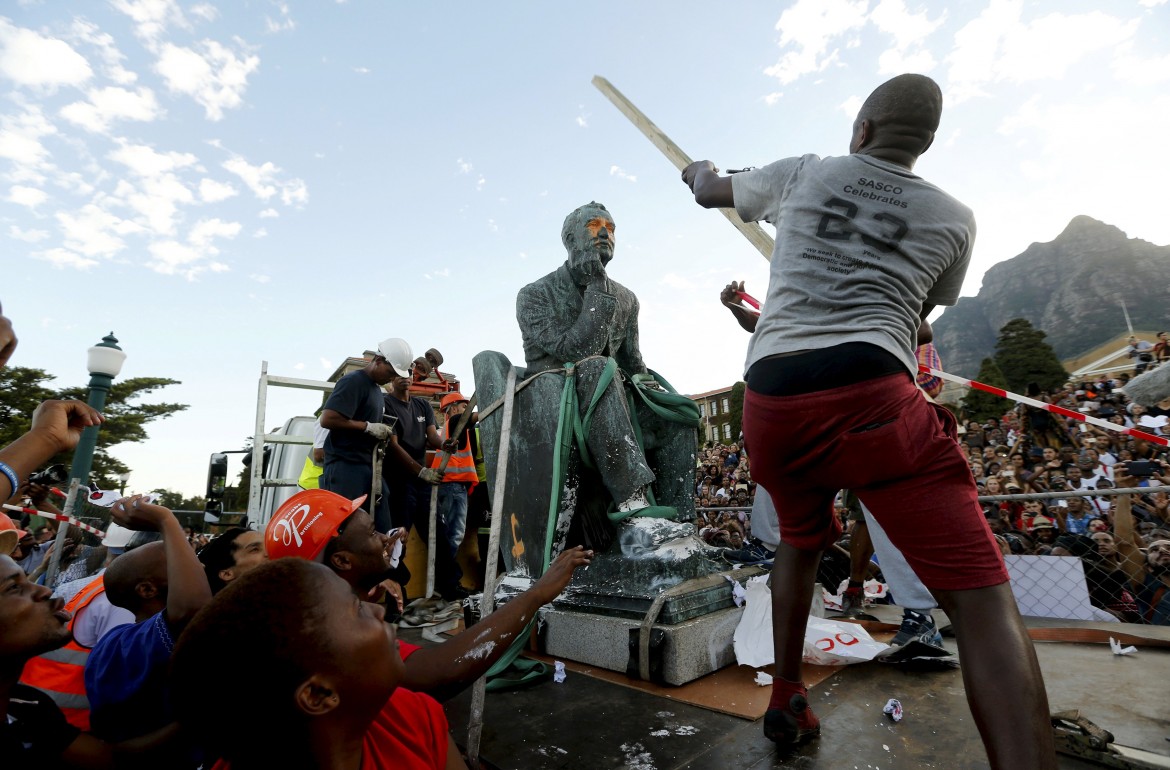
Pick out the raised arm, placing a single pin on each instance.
(1124, 533)
(187, 588)
(711, 190)
(449, 668)
(56, 427)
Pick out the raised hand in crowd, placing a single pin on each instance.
(56, 427)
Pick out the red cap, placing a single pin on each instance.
(306, 522)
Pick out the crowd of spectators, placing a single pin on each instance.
(724, 494)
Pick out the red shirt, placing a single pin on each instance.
(409, 733)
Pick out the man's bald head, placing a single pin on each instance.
(902, 113)
(137, 579)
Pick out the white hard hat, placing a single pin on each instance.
(398, 353)
(117, 536)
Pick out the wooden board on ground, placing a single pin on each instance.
(732, 690)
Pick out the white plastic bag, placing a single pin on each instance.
(837, 643)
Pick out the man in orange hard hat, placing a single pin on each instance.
(460, 476)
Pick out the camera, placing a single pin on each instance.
(54, 474)
(1142, 468)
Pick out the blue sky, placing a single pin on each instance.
(227, 183)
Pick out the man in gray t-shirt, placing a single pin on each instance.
(865, 249)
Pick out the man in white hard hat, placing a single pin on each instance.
(353, 417)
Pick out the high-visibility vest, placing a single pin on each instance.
(310, 475)
(60, 674)
(461, 466)
(480, 465)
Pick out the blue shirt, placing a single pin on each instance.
(125, 680)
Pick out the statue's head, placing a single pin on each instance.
(588, 236)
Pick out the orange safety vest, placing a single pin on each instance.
(461, 466)
(60, 674)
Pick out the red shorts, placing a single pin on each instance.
(882, 439)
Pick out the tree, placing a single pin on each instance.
(1025, 359)
(22, 389)
(980, 405)
(735, 401)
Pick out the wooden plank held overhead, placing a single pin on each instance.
(752, 231)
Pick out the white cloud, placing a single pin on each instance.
(261, 278)
(26, 196)
(28, 236)
(299, 366)
(215, 78)
(262, 181)
(465, 167)
(772, 98)
(88, 33)
(212, 191)
(491, 223)
(479, 183)
(106, 105)
(282, 24)
(326, 364)
(621, 174)
(146, 162)
(20, 137)
(1136, 71)
(206, 231)
(910, 31)
(809, 26)
(444, 273)
(582, 122)
(27, 58)
(93, 231)
(261, 232)
(151, 17)
(676, 281)
(1000, 46)
(172, 257)
(157, 191)
(269, 214)
(204, 11)
(362, 70)
(63, 258)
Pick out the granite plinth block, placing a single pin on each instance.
(689, 650)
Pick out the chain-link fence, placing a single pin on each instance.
(1076, 570)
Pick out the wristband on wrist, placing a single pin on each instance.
(11, 474)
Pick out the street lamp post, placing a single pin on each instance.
(104, 361)
(123, 477)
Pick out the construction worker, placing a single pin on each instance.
(353, 416)
(60, 673)
(461, 474)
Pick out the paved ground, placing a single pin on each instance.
(588, 723)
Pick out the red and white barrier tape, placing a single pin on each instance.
(58, 517)
(1160, 440)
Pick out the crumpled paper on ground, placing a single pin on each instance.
(874, 589)
(559, 675)
(1119, 650)
(893, 709)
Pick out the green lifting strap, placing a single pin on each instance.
(573, 427)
